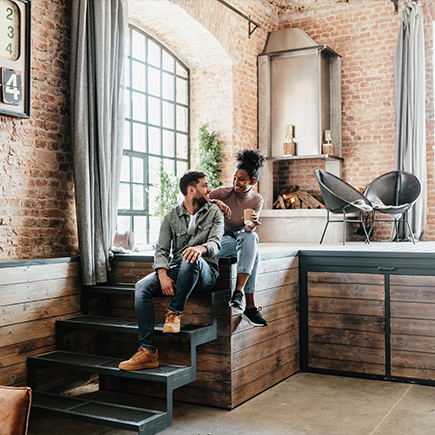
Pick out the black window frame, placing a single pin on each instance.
(151, 152)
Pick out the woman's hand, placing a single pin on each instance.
(255, 220)
(224, 208)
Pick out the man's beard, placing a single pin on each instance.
(200, 201)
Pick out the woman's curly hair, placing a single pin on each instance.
(251, 161)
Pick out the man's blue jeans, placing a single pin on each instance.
(244, 246)
(188, 277)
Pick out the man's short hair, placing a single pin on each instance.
(190, 178)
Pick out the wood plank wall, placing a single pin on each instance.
(413, 326)
(130, 272)
(264, 356)
(346, 322)
(33, 295)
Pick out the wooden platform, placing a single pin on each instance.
(354, 248)
(33, 295)
(364, 310)
(369, 310)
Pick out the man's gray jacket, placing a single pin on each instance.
(174, 239)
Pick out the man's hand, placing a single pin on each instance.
(224, 208)
(193, 253)
(167, 284)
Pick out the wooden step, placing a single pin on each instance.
(174, 375)
(197, 333)
(119, 289)
(221, 295)
(144, 421)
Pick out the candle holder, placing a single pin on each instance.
(289, 147)
(328, 147)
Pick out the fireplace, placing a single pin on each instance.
(299, 98)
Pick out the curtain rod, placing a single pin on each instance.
(246, 17)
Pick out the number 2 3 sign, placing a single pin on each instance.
(15, 57)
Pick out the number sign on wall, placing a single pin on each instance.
(15, 58)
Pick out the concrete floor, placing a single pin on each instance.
(304, 404)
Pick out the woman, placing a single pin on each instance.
(241, 240)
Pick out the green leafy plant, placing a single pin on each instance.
(168, 191)
(210, 155)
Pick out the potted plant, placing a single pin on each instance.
(210, 155)
(168, 191)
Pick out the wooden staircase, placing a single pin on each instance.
(143, 421)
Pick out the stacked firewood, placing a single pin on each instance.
(293, 198)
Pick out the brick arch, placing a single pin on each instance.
(211, 67)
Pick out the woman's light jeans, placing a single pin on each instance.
(243, 245)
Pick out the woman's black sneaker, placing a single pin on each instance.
(253, 316)
(237, 300)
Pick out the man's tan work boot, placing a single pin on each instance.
(172, 322)
(142, 359)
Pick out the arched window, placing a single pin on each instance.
(156, 131)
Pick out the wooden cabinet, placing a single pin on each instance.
(366, 320)
(346, 322)
(412, 326)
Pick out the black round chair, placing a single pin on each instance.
(393, 193)
(341, 197)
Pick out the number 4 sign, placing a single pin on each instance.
(12, 89)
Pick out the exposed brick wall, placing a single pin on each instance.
(213, 42)
(231, 32)
(37, 215)
(300, 173)
(429, 19)
(364, 34)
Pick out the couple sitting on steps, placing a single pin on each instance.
(193, 235)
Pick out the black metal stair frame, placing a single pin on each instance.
(143, 421)
(121, 417)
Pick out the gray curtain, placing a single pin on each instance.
(98, 40)
(409, 89)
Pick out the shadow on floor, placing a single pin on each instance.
(304, 404)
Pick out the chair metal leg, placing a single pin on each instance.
(397, 230)
(361, 220)
(411, 232)
(326, 226)
(361, 216)
(373, 223)
(344, 227)
(409, 227)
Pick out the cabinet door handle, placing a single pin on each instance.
(386, 269)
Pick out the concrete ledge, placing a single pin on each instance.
(297, 226)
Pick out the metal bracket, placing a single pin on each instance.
(246, 17)
(253, 29)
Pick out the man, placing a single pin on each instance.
(185, 260)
